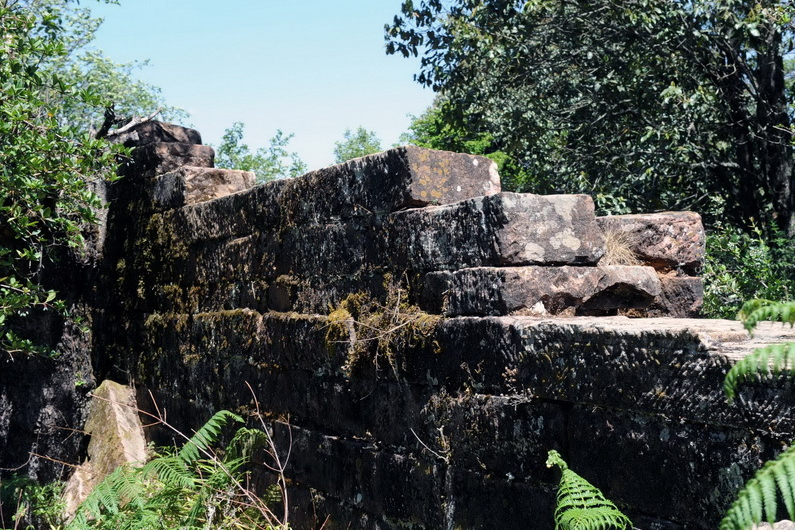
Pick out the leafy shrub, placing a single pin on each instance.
(35, 506)
(743, 266)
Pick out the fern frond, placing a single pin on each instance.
(774, 360)
(580, 505)
(171, 471)
(755, 311)
(206, 436)
(757, 502)
(245, 442)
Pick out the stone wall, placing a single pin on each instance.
(501, 334)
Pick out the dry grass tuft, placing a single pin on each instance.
(618, 249)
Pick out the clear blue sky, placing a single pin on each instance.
(310, 67)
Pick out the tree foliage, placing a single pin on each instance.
(268, 163)
(46, 166)
(355, 144)
(665, 105)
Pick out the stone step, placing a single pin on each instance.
(666, 241)
(538, 290)
(498, 230)
(191, 185)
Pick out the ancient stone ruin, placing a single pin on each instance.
(419, 338)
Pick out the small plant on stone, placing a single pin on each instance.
(377, 332)
(618, 249)
(580, 505)
(35, 506)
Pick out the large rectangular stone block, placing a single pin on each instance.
(386, 182)
(398, 485)
(236, 215)
(684, 472)
(161, 157)
(499, 230)
(666, 241)
(192, 185)
(538, 290)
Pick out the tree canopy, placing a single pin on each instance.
(46, 166)
(355, 144)
(267, 163)
(662, 105)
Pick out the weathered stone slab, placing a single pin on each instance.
(680, 297)
(666, 241)
(499, 230)
(191, 185)
(386, 182)
(331, 250)
(255, 209)
(161, 157)
(156, 131)
(483, 501)
(538, 290)
(117, 438)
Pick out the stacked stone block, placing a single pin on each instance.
(452, 429)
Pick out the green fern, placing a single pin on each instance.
(580, 505)
(757, 501)
(180, 489)
(755, 311)
(776, 360)
(206, 436)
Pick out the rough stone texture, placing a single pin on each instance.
(386, 182)
(156, 131)
(439, 427)
(499, 230)
(680, 297)
(784, 524)
(538, 290)
(117, 438)
(190, 185)
(666, 241)
(161, 157)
